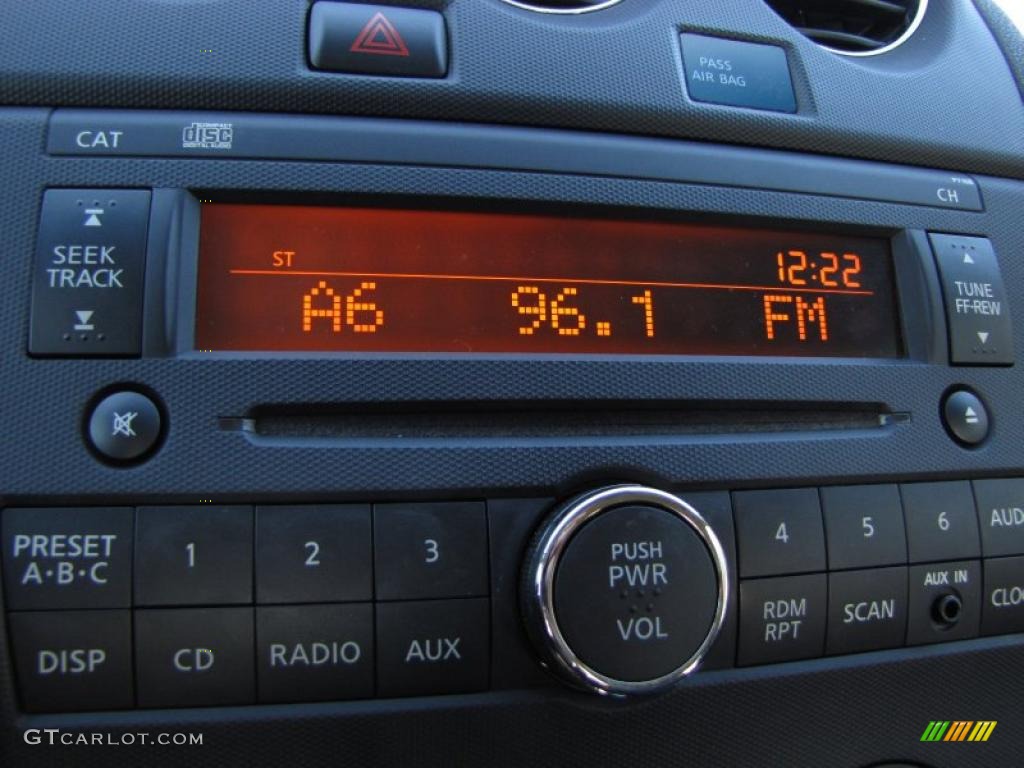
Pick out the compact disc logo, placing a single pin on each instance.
(207, 136)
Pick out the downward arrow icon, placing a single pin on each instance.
(983, 335)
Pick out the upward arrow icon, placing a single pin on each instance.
(968, 259)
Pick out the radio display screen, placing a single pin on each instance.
(296, 278)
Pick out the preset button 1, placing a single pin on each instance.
(193, 555)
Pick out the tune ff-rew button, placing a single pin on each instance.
(626, 590)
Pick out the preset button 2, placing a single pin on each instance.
(193, 555)
(313, 553)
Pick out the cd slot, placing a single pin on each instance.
(531, 421)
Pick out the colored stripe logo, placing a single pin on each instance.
(959, 730)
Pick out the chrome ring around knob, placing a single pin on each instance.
(538, 594)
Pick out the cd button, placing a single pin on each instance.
(779, 532)
(867, 610)
(782, 619)
(194, 657)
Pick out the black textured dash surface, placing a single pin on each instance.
(929, 102)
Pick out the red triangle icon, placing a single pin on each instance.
(380, 37)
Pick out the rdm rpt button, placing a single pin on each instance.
(737, 74)
(88, 276)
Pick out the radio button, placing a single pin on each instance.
(88, 275)
(980, 330)
(313, 554)
(433, 647)
(193, 555)
(194, 658)
(315, 652)
(430, 550)
(867, 610)
(67, 558)
(779, 532)
(945, 602)
(941, 521)
(782, 619)
(73, 661)
(1001, 516)
(864, 526)
(1003, 612)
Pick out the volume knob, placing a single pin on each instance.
(625, 590)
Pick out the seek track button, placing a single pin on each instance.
(88, 275)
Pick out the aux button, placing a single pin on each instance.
(625, 590)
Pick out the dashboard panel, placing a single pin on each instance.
(519, 402)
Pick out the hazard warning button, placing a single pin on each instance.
(377, 40)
